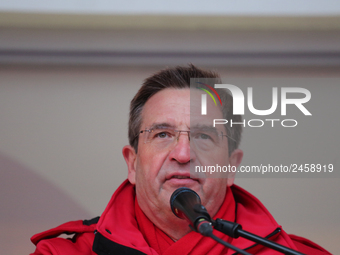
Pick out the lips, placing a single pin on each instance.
(180, 176)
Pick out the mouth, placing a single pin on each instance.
(180, 177)
(184, 177)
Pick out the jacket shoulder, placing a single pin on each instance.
(79, 242)
(306, 246)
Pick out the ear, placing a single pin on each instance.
(234, 160)
(130, 156)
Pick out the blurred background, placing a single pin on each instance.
(69, 69)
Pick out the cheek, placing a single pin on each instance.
(215, 189)
(149, 164)
(214, 158)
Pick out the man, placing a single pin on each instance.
(168, 138)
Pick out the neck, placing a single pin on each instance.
(175, 229)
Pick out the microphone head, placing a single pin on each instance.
(181, 198)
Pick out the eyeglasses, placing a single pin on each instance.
(203, 139)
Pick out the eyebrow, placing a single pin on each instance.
(208, 128)
(198, 127)
(195, 128)
(162, 126)
(205, 128)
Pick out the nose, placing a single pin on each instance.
(181, 150)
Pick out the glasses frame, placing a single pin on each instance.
(178, 132)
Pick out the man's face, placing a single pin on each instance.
(157, 171)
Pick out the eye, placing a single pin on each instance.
(162, 135)
(204, 136)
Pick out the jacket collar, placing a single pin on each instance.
(118, 222)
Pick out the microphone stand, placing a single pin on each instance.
(235, 230)
(203, 225)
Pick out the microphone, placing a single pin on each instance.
(186, 204)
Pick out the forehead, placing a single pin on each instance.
(167, 106)
(178, 107)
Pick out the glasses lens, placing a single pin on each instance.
(160, 137)
(206, 140)
(203, 139)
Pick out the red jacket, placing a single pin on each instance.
(106, 236)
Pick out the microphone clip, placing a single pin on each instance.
(200, 209)
(203, 224)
